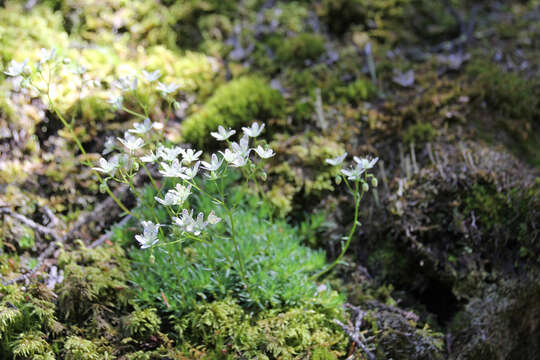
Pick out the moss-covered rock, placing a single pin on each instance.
(227, 329)
(234, 104)
(301, 48)
(306, 173)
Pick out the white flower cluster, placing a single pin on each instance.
(185, 164)
(172, 162)
(358, 171)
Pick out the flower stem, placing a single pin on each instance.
(81, 148)
(357, 200)
(235, 242)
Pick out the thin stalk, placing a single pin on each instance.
(133, 113)
(81, 148)
(235, 242)
(357, 199)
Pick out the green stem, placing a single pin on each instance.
(81, 148)
(235, 242)
(357, 200)
(133, 113)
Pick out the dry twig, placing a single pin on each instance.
(355, 334)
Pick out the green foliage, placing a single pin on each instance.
(302, 173)
(146, 22)
(507, 92)
(360, 89)
(384, 19)
(223, 326)
(21, 36)
(30, 345)
(92, 277)
(300, 48)
(26, 319)
(8, 315)
(77, 348)
(506, 217)
(234, 104)
(419, 133)
(142, 323)
(185, 273)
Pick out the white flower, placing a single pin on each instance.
(223, 134)
(365, 163)
(107, 167)
(212, 218)
(239, 160)
(16, 68)
(354, 173)
(254, 130)
(190, 173)
(116, 101)
(151, 76)
(243, 147)
(214, 164)
(337, 160)
(167, 89)
(169, 154)
(188, 224)
(141, 128)
(185, 218)
(195, 226)
(149, 157)
(228, 155)
(126, 83)
(173, 170)
(176, 196)
(109, 145)
(131, 142)
(46, 55)
(264, 154)
(149, 236)
(190, 155)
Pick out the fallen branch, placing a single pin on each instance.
(355, 334)
(31, 223)
(107, 235)
(103, 208)
(46, 253)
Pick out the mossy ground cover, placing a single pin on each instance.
(454, 220)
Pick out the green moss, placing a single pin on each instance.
(226, 328)
(77, 348)
(92, 277)
(359, 90)
(419, 133)
(142, 323)
(384, 19)
(23, 33)
(305, 173)
(143, 23)
(31, 345)
(506, 92)
(234, 104)
(297, 50)
(506, 217)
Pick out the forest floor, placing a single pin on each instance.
(445, 264)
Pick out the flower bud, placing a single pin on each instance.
(152, 259)
(263, 175)
(338, 179)
(103, 188)
(374, 182)
(365, 187)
